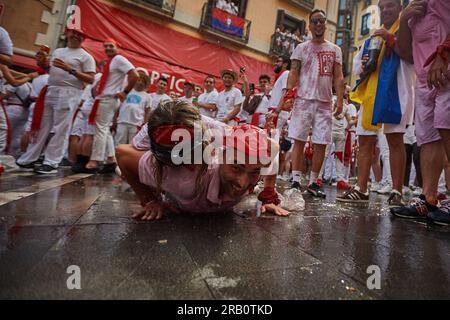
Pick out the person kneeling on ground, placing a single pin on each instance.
(196, 188)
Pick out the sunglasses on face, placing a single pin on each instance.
(316, 21)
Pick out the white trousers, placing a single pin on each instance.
(18, 117)
(102, 135)
(125, 133)
(339, 147)
(60, 105)
(384, 155)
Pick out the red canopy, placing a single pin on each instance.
(161, 50)
(24, 62)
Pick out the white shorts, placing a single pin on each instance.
(313, 114)
(78, 125)
(387, 128)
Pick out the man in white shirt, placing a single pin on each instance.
(17, 102)
(257, 116)
(316, 67)
(230, 99)
(160, 94)
(207, 101)
(6, 52)
(70, 67)
(109, 95)
(188, 90)
(339, 124)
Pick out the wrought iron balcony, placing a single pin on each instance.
(163, 8)
(308, 5)
(221, 24)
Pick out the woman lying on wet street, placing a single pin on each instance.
(149, 165)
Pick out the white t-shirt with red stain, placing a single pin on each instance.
(317, 69)
(118, 70)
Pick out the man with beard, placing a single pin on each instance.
(368, 92)
(56, 104)
(316, 66)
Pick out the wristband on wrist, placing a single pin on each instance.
(442, 50)
(391, 40)
(73, 72)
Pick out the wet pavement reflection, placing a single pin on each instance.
(49, 224)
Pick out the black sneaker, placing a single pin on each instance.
(45, 169)
(418, 208)
(353, 196)
(396, 200)
(108, 168)
(65, 163)
(441, 216)
(26, 167)
(296, 185)
(316, 191)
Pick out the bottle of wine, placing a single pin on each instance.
(374, 53)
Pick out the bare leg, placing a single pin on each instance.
(366, 149)
(397, 159)
(24, 141)
(432, 163)
(86, 148)
(445, 134)
(298, 156)
(376, 167)
(74, 142)
(318, 157)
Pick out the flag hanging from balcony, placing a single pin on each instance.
(228, 23)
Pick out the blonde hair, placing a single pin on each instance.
(174, 113)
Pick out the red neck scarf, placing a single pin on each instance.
(37, 113)
(98, 91)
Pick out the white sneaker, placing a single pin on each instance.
(406, 190)
(417, 192)
(387, 189)
(375, 187)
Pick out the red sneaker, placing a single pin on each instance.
(319, 183)
(342, 185)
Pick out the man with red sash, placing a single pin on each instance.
(57, 102)
(109, 95)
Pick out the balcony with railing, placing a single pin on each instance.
(162, 8)
(223, 25)
(282, 44)
(307, 5)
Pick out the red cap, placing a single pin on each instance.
(79, 30)
(252, 142)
